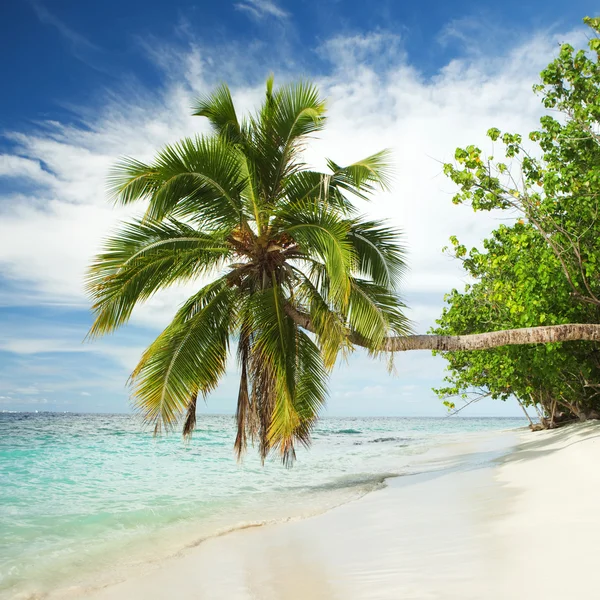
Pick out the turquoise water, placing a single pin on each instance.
(83, 496)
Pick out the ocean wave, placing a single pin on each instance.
(362, 483)
(366, 482)
(385, 439)
(344, 432)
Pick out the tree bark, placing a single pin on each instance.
(526, 413)
(477, 341)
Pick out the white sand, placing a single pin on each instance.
(525, 528)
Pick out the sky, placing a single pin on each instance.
(87, 82)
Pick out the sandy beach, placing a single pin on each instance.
(505, 524)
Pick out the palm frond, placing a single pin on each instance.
(190, 355)
(274, 347)
(374, 313)
(196, 178)
(365, 174)
(380, 255)
(219, 109)
(330, 329)
(245, 415)
(190, 418)
(321, 234)
(201, 180)
(311, 388)
(251, 195)
(263, 398)
(131, 180)
(292, 379)
(142, 258)
(313, 186)
(288, 116)
(299, 112)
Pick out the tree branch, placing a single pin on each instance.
(477, 341)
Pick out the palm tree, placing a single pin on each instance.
(276, 249)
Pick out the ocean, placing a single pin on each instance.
(86, 499)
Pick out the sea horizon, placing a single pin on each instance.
(232, 414)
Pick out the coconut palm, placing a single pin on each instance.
(285, 267)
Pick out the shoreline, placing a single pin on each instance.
(171, 550)
(101, 546)
(472, 531)
(450, 458)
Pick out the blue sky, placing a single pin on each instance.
(87, 81)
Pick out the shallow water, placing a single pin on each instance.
(84, 495)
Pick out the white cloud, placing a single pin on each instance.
(80, 46)
(29, 390)
(367, 50)
(260, 9)
(17, 166)
(37, 345)
(47, 238)
(27, 400)
(57, 341)
(367, 392)
(77, 40)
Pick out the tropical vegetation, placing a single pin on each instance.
(544, 269)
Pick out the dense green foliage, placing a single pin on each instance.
(519, 283)
(239, 214)
(545, 269)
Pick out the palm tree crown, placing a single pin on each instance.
(240, 210)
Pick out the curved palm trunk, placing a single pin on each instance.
(476, 341)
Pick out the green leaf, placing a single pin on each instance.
(145, 257)
(190, 355)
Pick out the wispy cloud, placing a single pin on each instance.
(17, 166)
(29, 390)
(483, 35)
(72, 36)
(81, 47)
(64, 222)
(375, 51)
(124, 355)
(24, 401)
(261, 9)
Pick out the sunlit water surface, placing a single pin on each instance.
(93, 496)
